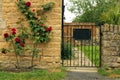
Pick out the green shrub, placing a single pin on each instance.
(67, 51)
(103, 71)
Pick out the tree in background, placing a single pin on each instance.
(112, 16)
(96, 11)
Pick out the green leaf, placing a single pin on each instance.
(48, 6)
(35, 54)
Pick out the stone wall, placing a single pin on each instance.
(110, 46)
(50, 55)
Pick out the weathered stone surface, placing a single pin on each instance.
(118, 60)
(111, 46)
(52, 49)
(7, 64)
(115, 65)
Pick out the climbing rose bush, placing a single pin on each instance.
(40, 32)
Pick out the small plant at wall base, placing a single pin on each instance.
(105, 71)
(67, 51)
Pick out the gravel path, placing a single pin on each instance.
(79, 60)
(85, 76)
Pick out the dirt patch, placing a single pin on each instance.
(17, 70)
(114, 76)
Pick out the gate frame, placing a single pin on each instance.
(100, 40)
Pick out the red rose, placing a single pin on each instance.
(48, 29)
(13, 29)
(6, 35)
(13, 33)
(17, 40)
(28, 4)
(22, 44)
(33, 10)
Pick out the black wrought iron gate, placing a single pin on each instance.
(81, 45)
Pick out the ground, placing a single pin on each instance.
(86, 74)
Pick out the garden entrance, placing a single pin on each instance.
(81, 45)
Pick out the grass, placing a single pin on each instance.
(92, 52)
(115, 73)
(103, 71)
(32, 75)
